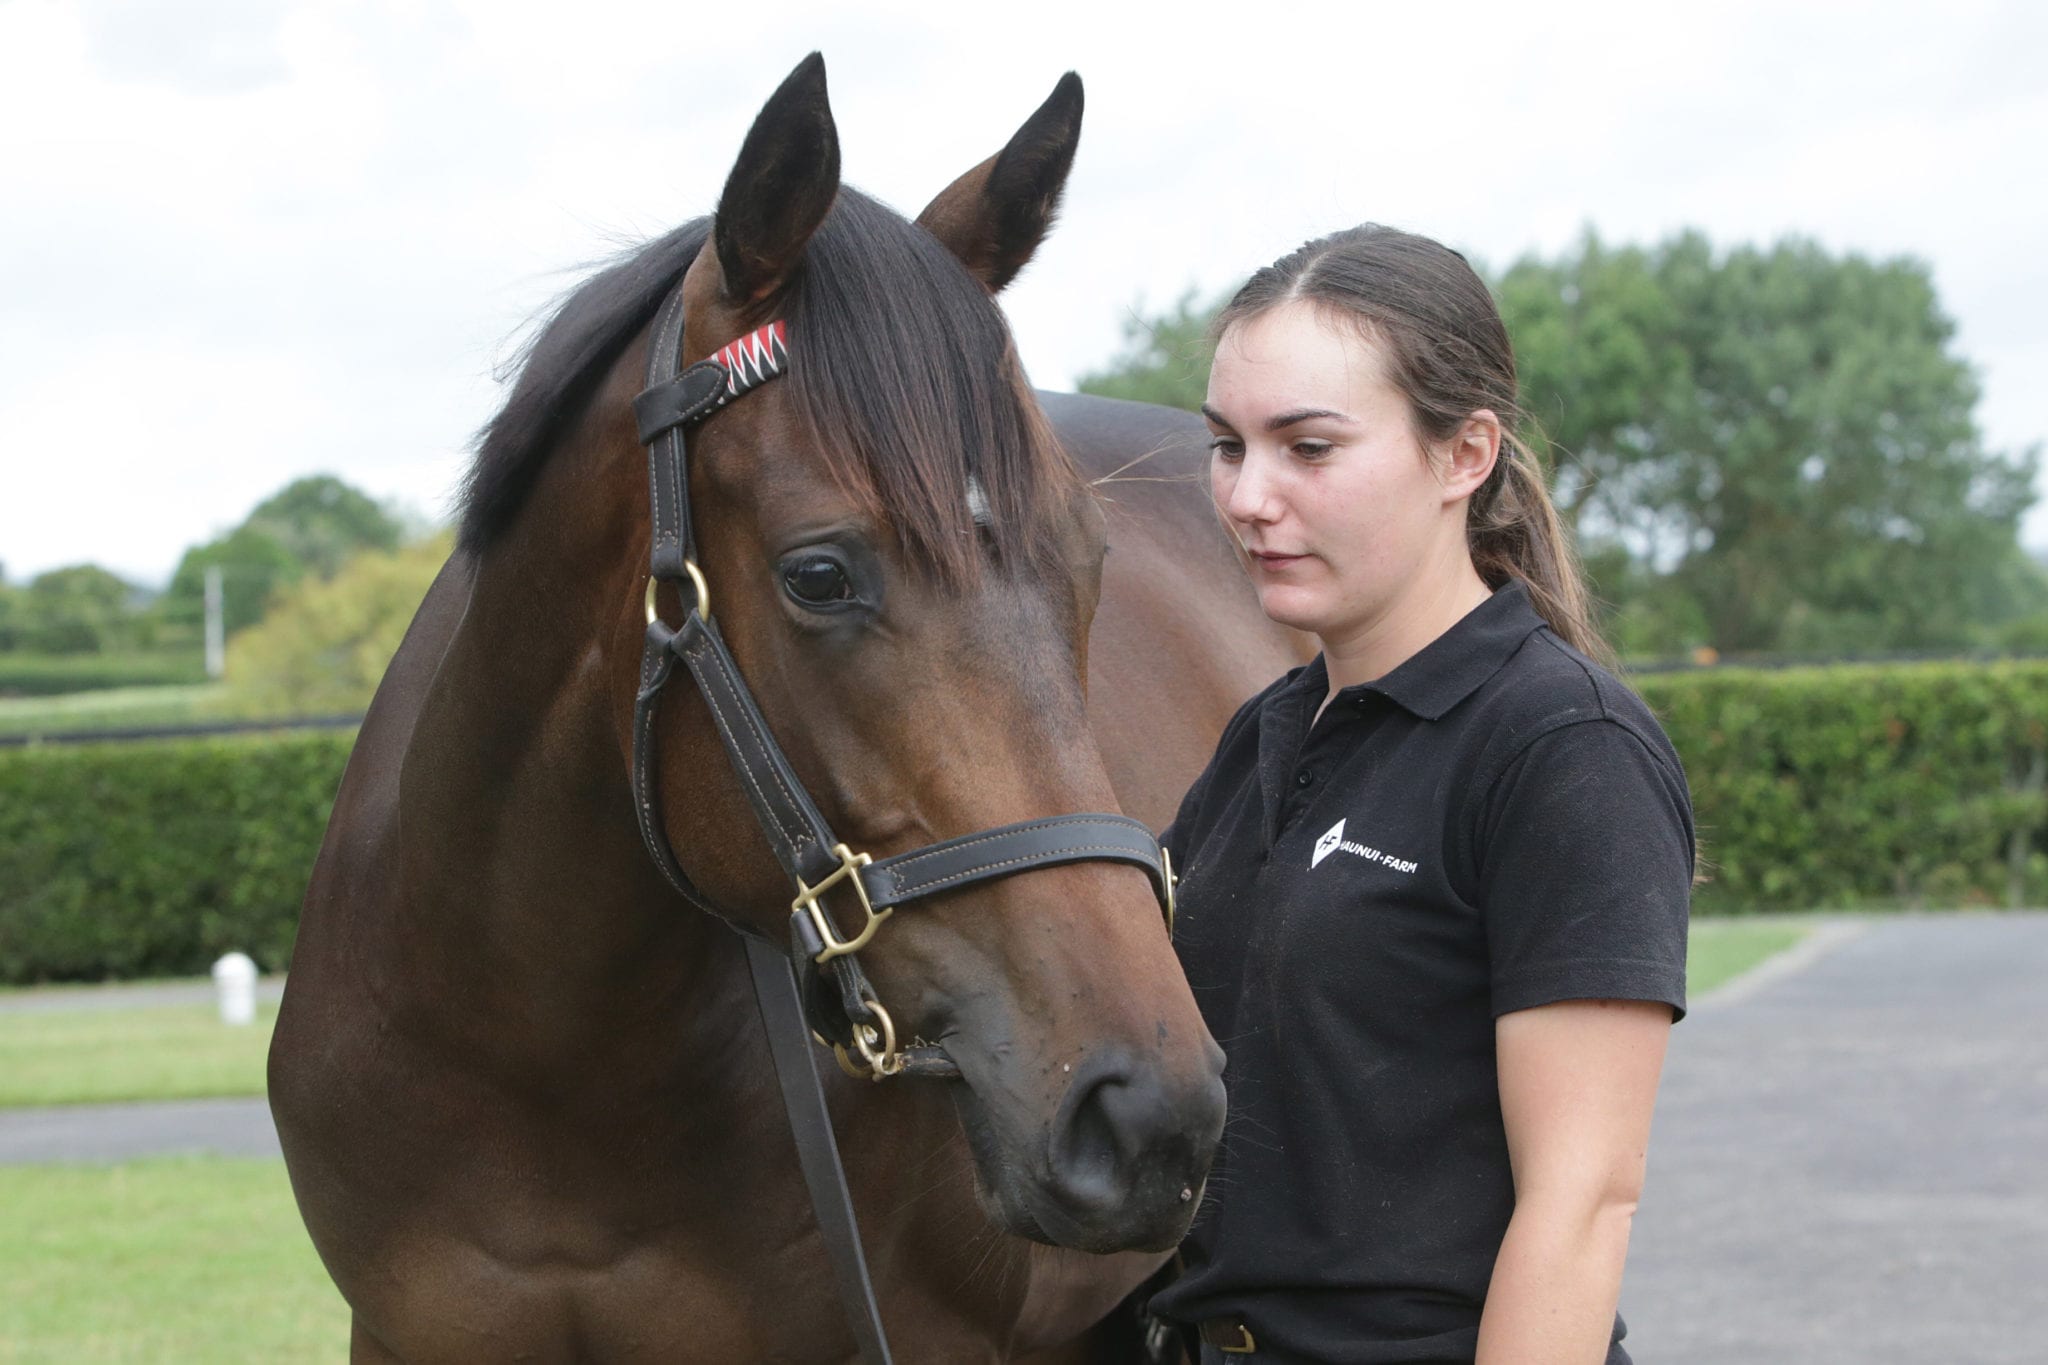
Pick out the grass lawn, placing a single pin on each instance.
(180, 1259)
(111, 708)
(1723, 949)
(165, 1052)
(152, 1052)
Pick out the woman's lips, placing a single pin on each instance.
(1273, 563)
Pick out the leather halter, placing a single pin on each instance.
(819, 989)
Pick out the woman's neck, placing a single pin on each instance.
(1372, 649)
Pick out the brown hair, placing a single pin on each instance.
(1449, 354)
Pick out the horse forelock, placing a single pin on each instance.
(902, 371)
(908, 381)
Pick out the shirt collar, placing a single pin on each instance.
(1451, 667)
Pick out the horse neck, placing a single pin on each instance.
(529, 891)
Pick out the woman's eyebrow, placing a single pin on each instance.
(1282, 420)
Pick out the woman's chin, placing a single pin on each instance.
(1294, 607)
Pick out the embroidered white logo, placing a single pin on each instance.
(1333, 839)
(1327, 845)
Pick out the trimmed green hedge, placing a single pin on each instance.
(49, 675)
(1865, 785)
(152, 859)
(1886, 785)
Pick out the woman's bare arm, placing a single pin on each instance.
(1578, 1082)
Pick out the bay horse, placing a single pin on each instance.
(523, 1093)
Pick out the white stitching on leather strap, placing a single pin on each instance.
(701, 643)
(1051, 822)
(925, 888)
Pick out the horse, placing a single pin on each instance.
(521, 1089)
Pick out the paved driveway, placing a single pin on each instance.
(118, 1132)
(1850, 1162)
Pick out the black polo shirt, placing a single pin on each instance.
(1496, 824)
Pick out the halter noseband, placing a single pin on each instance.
(848, 1014)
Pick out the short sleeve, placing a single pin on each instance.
(1585, 860)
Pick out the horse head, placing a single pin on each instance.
(904, 565)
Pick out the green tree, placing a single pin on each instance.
(1782, 436)
(254, 564)
(10, 613)
(1165, 359)
(83, 609)
(323, 522)
(313, 525)
(326, 645)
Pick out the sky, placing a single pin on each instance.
(243, 241)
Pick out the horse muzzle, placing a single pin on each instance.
(1122, 1163)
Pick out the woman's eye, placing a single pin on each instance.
(1226, 448)
(1311, 450)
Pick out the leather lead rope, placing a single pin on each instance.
(793, 993)
(810, 1121)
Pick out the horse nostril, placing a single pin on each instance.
(1092, 1146)
(1124, 1141)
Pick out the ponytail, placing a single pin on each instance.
(1514, 532)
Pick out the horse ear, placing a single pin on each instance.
(780, 188)
(994, 217)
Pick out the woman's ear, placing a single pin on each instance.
(1468, 457)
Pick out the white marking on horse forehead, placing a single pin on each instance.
(977, 502)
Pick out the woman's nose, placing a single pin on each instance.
(1250, 497)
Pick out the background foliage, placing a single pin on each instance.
(311, 526)
(326, 644)
(309, 529)
(152, 859)
(1865, 785)
(77, 610)
(48, 675)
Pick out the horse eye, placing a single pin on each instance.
(818, 581)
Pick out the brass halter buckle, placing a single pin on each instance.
(807, 901)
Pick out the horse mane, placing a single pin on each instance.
(901, 368)
(559, 369)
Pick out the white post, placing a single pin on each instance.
(234, 978)
(216, 636)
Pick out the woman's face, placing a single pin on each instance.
(1317, 467)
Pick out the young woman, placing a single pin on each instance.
(1435, 882)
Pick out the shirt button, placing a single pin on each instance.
(1304, 778)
